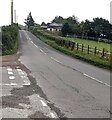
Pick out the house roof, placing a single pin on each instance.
(55, 25)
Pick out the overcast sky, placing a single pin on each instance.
(46, 10)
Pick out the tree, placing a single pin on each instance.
(67, 29)
(43, 23)
(72, 20)
(29, 21)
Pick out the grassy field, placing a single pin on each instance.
(99, 45)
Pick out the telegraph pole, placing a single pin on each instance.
(11, 12)
(15, 17)
(111, 12)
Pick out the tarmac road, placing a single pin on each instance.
(77, 89)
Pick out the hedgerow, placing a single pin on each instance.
(9, 39)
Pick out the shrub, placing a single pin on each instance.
(9, 39)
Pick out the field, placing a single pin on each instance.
(99, 45)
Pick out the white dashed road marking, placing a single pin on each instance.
(27, 83)
(9, 69)
(11, 77)
(19, 70)
(42, 51)
(43, 103)
(96, 80)
(56, 60)
(10, 73)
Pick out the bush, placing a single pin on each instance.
(9, 39)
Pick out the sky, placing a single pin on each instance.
(46, 10)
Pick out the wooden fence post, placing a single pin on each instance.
(82, 47)
(63, 42)
(73, 45)
(88, 49)
(95, 50)
(69, 43)
(77, 46)
(103, 53)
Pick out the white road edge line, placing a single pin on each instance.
(96, 80)
(52, 115)
(12, 84)
(43, 103)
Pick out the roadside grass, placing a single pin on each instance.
(53, 40)
(79, 55)
(93, 44)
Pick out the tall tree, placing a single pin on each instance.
(67, 29)
(29, 21)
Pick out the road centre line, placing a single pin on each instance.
(33, 43)
(43, 103)
(42, 51)
(56, 60)
(96, 80)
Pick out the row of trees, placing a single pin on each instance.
(98, 27)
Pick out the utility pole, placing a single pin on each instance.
(15, 17)
(111, 12)
(11, 12)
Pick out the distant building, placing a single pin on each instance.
(52, 27)
(111, 12)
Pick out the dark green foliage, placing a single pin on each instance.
(97, 28)
(9, 39)
(67, 29)
(29, 21)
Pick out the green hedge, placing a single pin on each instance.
(9, 39)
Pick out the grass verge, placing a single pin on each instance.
(76, 54)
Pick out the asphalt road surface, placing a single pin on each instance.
(68, 87)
